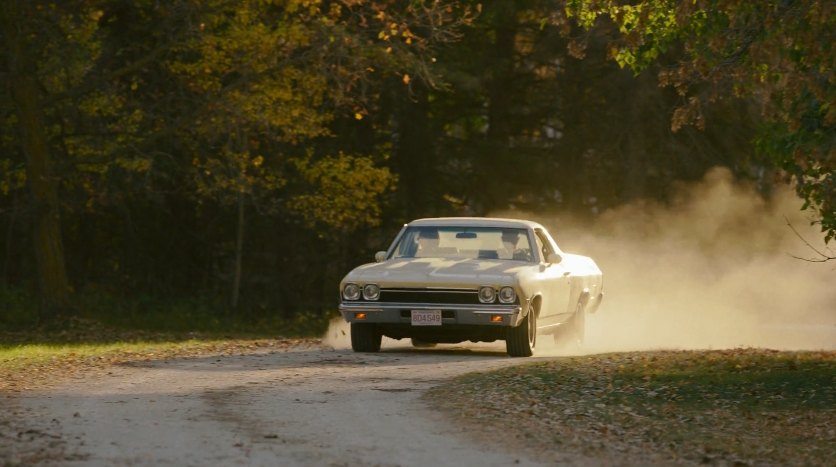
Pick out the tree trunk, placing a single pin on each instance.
(239, 251)
(501, 76)
(49, 248)
(501, 83)
(242, 146)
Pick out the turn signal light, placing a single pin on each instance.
(359, 315)
(496, 318)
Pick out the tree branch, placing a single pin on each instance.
(824, 257)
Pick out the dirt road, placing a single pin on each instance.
(305, 407)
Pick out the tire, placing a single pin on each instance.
(365, 338)
(521, 340)
(419, 344)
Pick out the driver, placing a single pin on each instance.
(510, 238)
(510, 243)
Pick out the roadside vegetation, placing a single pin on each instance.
(41, 356)
(243, 155)
(729, 407)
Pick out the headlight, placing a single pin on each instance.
(487, 294)
(507, 295)
(351, 292)
(371, 292)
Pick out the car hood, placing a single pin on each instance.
(439, 272)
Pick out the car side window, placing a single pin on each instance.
(542, 246)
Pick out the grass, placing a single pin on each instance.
(746, 380)
(25, 367)
(20, 357)
(743, 406)
(40, 357)
(108, 329)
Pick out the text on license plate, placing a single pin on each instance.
(426, 317)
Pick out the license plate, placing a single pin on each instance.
(426, 317)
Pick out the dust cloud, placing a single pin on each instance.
(715, 268)
(337, 335)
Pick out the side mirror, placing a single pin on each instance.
(380, 256)
(554, 258)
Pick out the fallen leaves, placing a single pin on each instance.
(741, 406)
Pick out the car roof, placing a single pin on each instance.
(474, 222)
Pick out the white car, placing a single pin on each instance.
(455, 279)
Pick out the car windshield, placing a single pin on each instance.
(464, 243)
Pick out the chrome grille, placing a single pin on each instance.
(448, 296)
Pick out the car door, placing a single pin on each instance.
(555, 285)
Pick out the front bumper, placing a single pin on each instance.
(452, 314)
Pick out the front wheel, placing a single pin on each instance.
(365, 337)
(521, 339)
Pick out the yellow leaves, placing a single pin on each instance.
(137, 164)
(243, 40)
(334, 11)
(224, 175)
(406, 79)
(408, 36)
(358, 116)
(393, 30)
(344, 191)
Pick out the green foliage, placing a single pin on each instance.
(244, 63)
(19, 308)
(190, 140)
(345, 192)
(183, 314)
(777, 54)
(13, 176)
(650, 28)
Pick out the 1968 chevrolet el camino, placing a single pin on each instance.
(455, 279)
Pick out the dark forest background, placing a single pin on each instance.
(212, 164)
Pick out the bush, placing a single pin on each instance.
(201, 313)
(18, 309)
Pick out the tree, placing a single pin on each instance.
(776, 53)
(272, 75)
(22, 44)
(163, 117)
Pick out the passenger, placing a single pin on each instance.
(427, 243)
